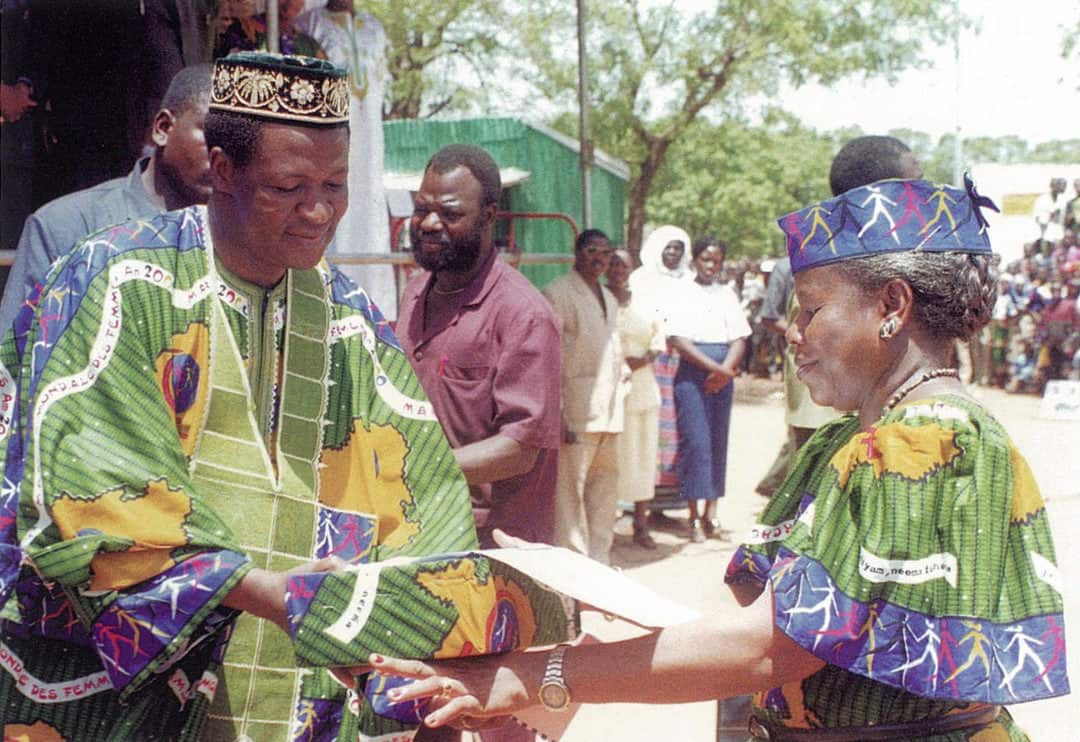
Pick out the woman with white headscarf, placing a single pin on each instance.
(657, 285)
(665, 263)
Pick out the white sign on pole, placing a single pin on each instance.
(1061, 401)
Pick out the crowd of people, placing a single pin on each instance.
(1035, 334)
(216, 448)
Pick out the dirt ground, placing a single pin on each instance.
(692, 573)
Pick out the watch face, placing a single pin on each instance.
(554, 696)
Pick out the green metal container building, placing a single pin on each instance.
(553, 182)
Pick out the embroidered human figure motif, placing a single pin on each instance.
(816, 221)
(1056, 634)
(978, 642)
(868, 441)
(929, 653)
(1024, 653)
(910, 202)
(826, 607)
(867, 629)
(942, 200)
(794, 231)
(880, 211)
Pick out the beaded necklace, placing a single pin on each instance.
(907, 387)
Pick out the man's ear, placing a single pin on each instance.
(161, 126)
(489, 212)
(222, 170)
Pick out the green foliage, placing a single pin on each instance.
(656, 72)
(733, 180)
(439, 53)
(671, 92)
(1070, 42)
(936, 158)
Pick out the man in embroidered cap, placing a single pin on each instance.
(205, 412)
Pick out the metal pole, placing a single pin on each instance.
(273, 33)
(586, 146)
(958, 141)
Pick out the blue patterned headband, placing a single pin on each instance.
(888, 216)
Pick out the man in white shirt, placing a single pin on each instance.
(1050, 212)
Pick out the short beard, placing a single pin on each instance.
(454, 259)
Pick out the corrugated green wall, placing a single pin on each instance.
(554, 184)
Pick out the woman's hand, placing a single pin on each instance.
(463, 692)
(720, 378)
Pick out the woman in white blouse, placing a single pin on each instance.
(709, 329)
(641, 334)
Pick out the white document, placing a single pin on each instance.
(595, 585)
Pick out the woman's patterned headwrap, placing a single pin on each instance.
(888, 216)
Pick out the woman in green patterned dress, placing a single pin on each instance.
(901, 583)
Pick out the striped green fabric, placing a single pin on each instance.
(178, 427)
(915, 558)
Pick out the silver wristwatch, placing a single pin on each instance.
(554, 694)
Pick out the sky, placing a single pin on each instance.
(1012, 81)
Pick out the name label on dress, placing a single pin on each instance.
(352, 620)
(763, 534)
(42, 692)
(907, 571)
(938, 410)
(7, 401)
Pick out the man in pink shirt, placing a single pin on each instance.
(485, 345)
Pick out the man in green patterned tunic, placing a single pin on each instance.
(203, 408)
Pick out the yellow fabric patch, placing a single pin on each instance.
(39, 731)
(995, 732)
(366, 475)
(480, 607)
(896, 448)
(1026, 498)
(457, 585)
(183, 375)
(154, 521)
